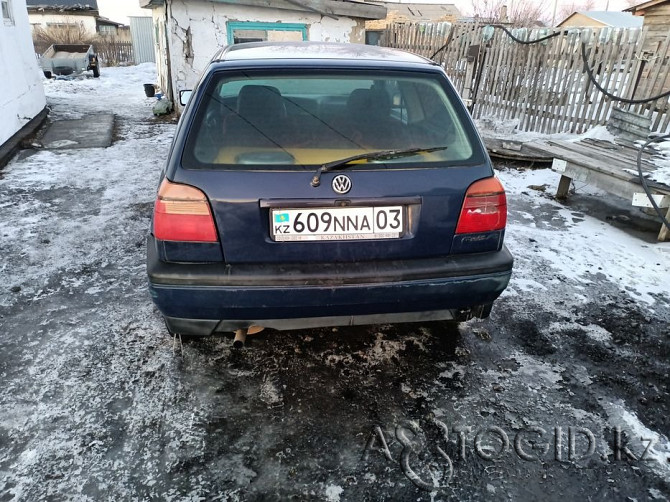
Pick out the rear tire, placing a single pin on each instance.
(48, 74)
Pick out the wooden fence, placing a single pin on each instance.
(544, 86)
(114, 53)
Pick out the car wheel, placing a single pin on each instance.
(47, 74)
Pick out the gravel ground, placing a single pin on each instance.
(562, 394)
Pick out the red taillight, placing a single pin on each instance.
(484, 208)
(182, 213)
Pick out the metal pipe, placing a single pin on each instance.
(240, 337)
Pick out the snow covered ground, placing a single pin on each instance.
(95, 405)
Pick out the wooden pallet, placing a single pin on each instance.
(609, 166)
(510, 149)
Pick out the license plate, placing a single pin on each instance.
(337, 223)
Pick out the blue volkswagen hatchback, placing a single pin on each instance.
(316, 184)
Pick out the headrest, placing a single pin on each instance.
(369, 102)
(256, 101)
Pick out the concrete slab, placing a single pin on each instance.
(10, 147)
(92, 131)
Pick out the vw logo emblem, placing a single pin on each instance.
(341, 183)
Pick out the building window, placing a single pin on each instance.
(7, 11)
(105, 29)
(62, 26)
(239, 32)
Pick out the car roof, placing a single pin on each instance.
(315, 50)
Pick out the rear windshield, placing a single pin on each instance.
(296, 119)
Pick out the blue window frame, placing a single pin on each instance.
(253, 26)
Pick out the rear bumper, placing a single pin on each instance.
(203, 298)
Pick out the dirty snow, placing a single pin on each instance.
(333, 493)
(658, 451)
(576, 246)
(507, 129)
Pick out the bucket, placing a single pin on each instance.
(149, 90)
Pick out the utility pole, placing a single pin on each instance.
(553, 16)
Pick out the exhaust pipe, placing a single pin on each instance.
(241, 335)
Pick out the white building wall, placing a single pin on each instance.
(44, 20)
(21, 89)
(197, 30)
(162, 58)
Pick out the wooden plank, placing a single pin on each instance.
(630, 118)
(587, 86)
(664, 234)
(616, 61)
(611, 184)
(629, 67)
(612, 159)
(563, 187)
(661, 104)
(504, 78)
(654, 74)
(568, 123)
(598, 148)
(524, 87)
(515, 150)
(583, 163)
(556, 84)
(635, 65)
(423, 39)
(665, 125)
(642, 200)
(493, 68)
(603, 77)
(562, 122)
(542, 82)
(560, 67)
(535, 86)
(510, 86)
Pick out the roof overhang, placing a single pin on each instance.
(60, 8)
(108, 22)
(346, 8)
(643, 6)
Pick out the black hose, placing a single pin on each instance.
(527, 42)
(644, 181)
(449, 37)
(589, 72)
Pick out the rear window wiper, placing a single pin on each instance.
(336, 165)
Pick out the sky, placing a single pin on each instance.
(465, 6)
(119, 10)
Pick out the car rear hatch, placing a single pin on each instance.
(248, 208)
(256, 139)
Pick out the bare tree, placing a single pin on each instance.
(513, 12)
(64, 33)
(112, 49)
